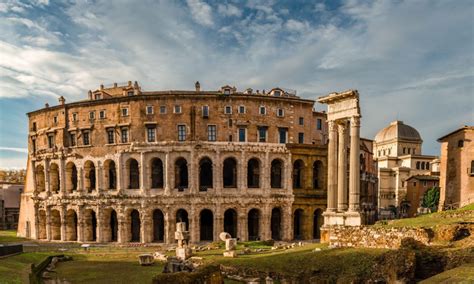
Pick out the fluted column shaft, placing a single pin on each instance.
(332, 167)
(354, 175)
(342, 169)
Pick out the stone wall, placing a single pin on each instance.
(375, 237)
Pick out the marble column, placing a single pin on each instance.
(332, 167)
(354, 175)
(342, 169)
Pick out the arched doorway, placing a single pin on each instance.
(158, 226)
(230, 222)
(90, 228)
(39, 174)
(317, 174)
(253, 224)
(71, 225)
(181, 173)
(253, 173)
(133, 174)
(41, 234)
(156, 173)
(89, 169)
(205, 174)
(276, 224)
(298, 224)
(229, 174)
(298, 167)
(55, 225)
(71, 177)
(110, 174)
(317, 223)
(135, 225)
(54, 177)
(276, 174)
(113, 226)
(182, 216)
(206, 224)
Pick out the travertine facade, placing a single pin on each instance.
(127, 165)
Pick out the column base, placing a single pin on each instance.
(342, 218)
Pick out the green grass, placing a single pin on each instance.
(9, 236)
(460, 274)
(15, 269)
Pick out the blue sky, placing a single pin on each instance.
(410, 60)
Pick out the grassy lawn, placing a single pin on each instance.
(461, 274)
(15, 269)
(9, 236)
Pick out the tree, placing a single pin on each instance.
(431, 199)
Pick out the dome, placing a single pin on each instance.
(397, 130)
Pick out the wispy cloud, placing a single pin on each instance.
(12, 149)
(201, 12)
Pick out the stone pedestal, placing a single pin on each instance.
(184, 253)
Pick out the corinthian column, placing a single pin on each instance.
(354, 175)
(332, 167)
(342, 169)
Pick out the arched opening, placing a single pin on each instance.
(230, 173)
(158, 226)
(54, 177)
(298, 224)
(317, 223)
(110, 174)
(317, 174)
(205, 174)
(182, 216)
(71, 177)
(276, 174)
(89, 182)
(206, 224)
(156, 173)
(113, 223)
(39, 174)
(230, 222)
(90, 228)
(42, 225)
(418, 165)
(55, 225)
(276, 224)
(253, 173)
(71, 225)
(298, 167)
(135, 226)
(253, 224)
(133, 174)
(181, 173)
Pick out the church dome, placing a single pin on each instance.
(397, 130)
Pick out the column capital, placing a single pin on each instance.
(332, 126)
(355, 121)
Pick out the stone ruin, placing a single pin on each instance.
(230, 244)
(183, 251)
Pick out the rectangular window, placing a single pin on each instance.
(91, 114)
(319, 124)
(263, 110)
(181, 132)
(34, 126)
(74, 116)
(211, 133)
(149, 109)
(424, 183)
(276, 93)
(102, 114)
(177, 109)
(110, 136)
(55, 120)
(241, 109)
(124, 135)
(50, 141)
(262, 134)
(151, 133)
(33, 141)
(228, 110)
(282, 135)
(72, 139)
(242, 132)
(280, 112)
(85, 138)
(162, 109)
(301, 121)
(205, 111)
(130, 93)
(230, 138)
(301, 137)
(125, 111)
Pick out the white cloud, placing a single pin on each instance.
(229, 10)
(296, 26)
(13, 149)
(201, 12)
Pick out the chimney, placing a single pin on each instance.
(115, 85)
(90, 95)
(101, 86)
(62, 100)
(46, 105)
(135, 85)
(263, 91)
(198, 86)
(258, 92)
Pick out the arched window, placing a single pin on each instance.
(133, 174)
(230, 173)
(461, 143)
(422, 165)
(317, 174)
(253, 173)
(89, 169)
(230, 222)
(182, 216)
(71, 177)
(427, 165)
(276, 174)
(110, 174)
(135, 226)
(181, 173)
(54, 177)
(205, 174)
(418, 165)
(298, 167)
(156, 173)
(206, 225)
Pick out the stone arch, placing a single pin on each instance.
(253, 173)
(158, 226)
(71, 177)
(133, 173)
(182, 216)
(55, 225)
(90, 225)
(275, 223)
(317, 174)
(317, 223)
(156, 174)
(40, 179)
(41, 234)
(206, 225)
(113, 225)
(298, 224)
(253, 223)
(71, 225)
(205, 174)
(181, 173)
(110, 174)
(298, 174)
(54, 183)
(230, 222)
(276, 173)
(135, 226)
(229, 172)
(90, 178)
